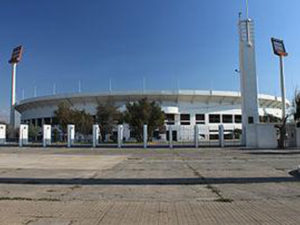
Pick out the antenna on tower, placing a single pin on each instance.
(144, 84)
(110, 88)
(247, 9)
(79, 86)
(54, 89)
(35, 91)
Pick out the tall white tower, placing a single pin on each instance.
(248, 75)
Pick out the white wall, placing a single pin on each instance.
(261, 136)
(298, 136)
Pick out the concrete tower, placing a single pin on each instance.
(248, 76)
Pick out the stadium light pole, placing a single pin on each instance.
(15, 59)
(279, 50)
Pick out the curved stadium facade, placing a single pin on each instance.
(183, 109)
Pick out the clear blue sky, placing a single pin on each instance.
(193, 43)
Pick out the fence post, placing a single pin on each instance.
(170, 137)
(46, 135)
(2, 133)
(221, 136)
(71, 135)
(196, 136)
(145, 135)
(23, 137)
(96, 133)
(120, 136)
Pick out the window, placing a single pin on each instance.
(200, 119)
(185, 119)
(214, 118)
(170, 119)
(238, 119)
(227, 119)
(250, 120)
(39, 123)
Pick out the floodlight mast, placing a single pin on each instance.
(15, 59)
(283, 93)
(279, 50)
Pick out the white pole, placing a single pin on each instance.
(144, 84)
(196, 136)
(13, 95)
(145, 135)
(120, 136)
(221, 136)
(170, 137)
(34, 91)
(110, 86)
(54, 89)
(282, 87)
(79, 86)
(96, 133)
(247, 8)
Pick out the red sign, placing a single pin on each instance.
(16, 54)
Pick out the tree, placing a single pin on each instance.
(297, 107)
(83, 121)
(108, 116)
(33, 132)
(143, 112)
(64, 116)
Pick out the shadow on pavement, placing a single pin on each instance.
(148, 181)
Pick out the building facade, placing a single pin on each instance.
(183, 109)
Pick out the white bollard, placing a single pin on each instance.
(120, 135)
(23, 137)
(170, 137)
(2, 134)
(221, 136)
(96, 134)
(71, 135)
(196, 136)
(145, 135)
(46, 135)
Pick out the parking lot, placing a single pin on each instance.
(154, 186)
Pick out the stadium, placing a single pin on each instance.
(183, 109)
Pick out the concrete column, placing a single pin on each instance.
(46, 135)
(120, 136)
(177, 119)
(196, 136)
(96, 134)
(170, 137)
(71, 135)
(145, 135)
(23, 137)
(193, 119)
(221, 136)
(206, 118)
(2, 134)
